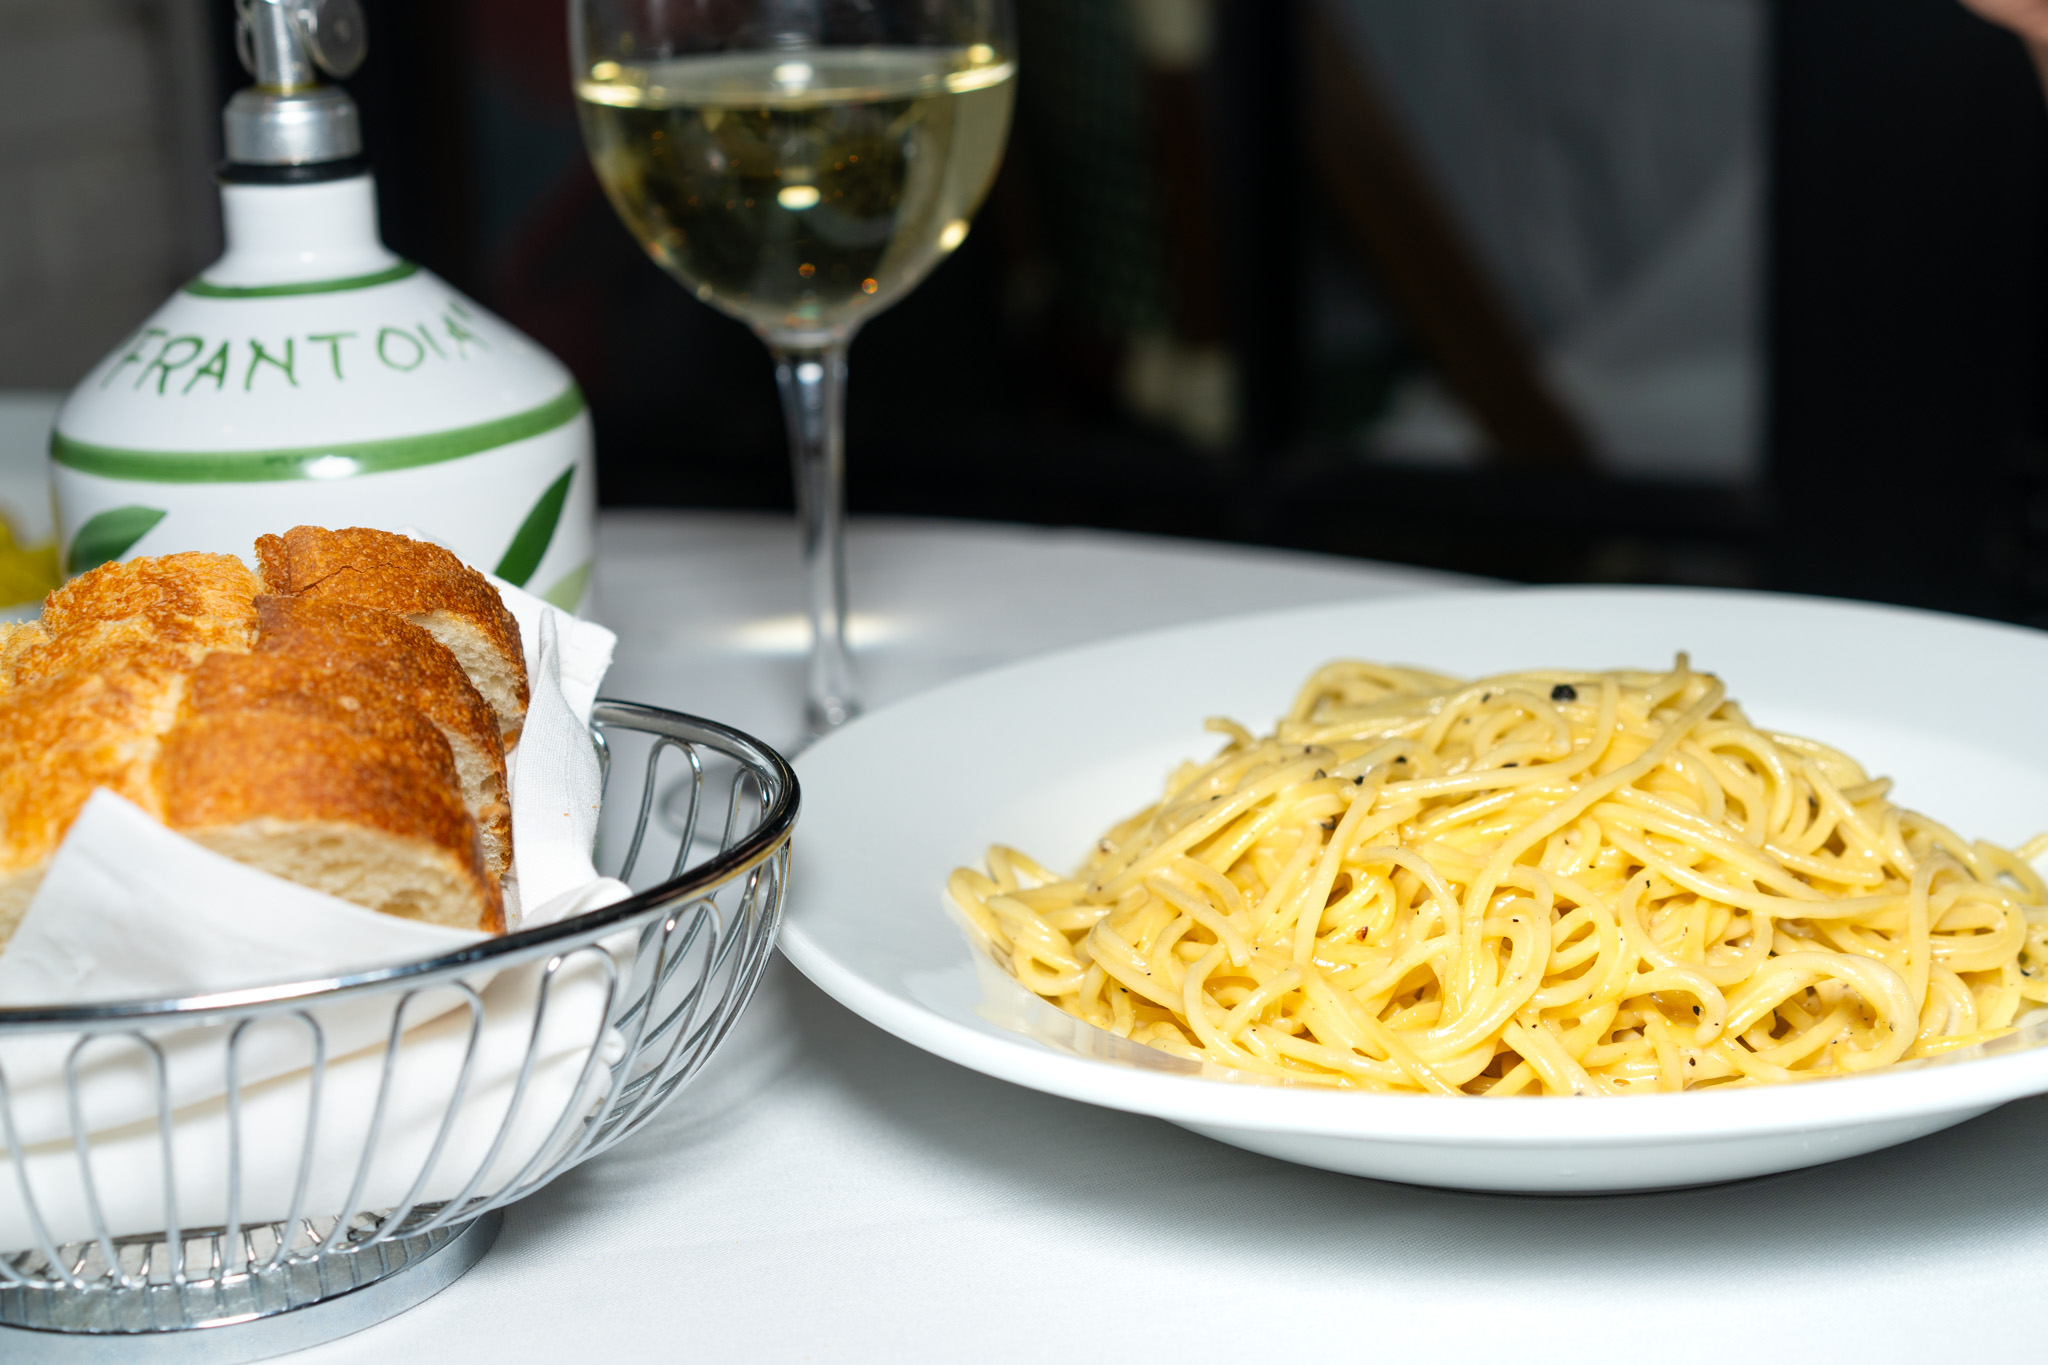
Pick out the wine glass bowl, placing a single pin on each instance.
(800, 192)
(800, 165)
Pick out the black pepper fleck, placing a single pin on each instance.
(1564, 692)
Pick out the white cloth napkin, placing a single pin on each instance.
(555, 777)
(128, 909)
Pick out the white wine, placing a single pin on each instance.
(799, 190)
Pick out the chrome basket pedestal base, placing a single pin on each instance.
(235, 1317)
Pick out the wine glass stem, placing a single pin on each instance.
(813, 385)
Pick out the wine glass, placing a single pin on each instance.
(801, 165)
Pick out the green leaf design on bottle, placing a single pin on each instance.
(527, 547)
(568, 589)
(109, 536)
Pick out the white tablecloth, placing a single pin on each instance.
(827, 1193)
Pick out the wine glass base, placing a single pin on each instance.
(821, 718)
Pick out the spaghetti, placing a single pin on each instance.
(1536, 883)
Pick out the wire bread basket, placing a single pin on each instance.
(374, 1202)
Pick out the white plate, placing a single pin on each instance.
(1046, 754)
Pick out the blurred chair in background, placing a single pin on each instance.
(1561, 198)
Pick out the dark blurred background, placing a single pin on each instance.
(1724, 292)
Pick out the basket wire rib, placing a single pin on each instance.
(672, 968)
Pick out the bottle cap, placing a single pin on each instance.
(290, 127)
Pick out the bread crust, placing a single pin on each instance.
(406, 661)
(346, 698)
(165, 609)
(64, 736)
(300, 762)
(414, 579)
(397, 653)
(91, 688)
(139, 614)
(181, 593)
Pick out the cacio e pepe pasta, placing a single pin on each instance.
(1550, 882)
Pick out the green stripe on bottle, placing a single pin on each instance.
(403, 270)
(339, 461)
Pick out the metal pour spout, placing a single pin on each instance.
(288, 126)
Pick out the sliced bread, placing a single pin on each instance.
(419, 581)
(410, 664)
(87, 693)
(319, 776)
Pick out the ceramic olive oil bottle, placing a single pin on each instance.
(311, 376)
